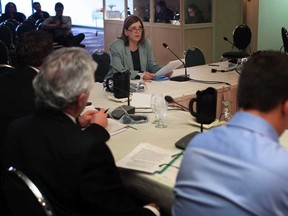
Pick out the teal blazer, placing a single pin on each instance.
(121, 59)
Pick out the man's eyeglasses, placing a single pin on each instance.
(134, 29)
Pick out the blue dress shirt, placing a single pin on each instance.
(232, 170)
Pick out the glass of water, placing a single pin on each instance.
(160, 109)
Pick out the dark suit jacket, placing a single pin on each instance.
(74, 168)
(17, 97)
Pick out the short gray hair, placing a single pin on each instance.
(64, 75)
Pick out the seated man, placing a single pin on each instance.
(39, 14)
(240, 169)
(74, 168)
(60, 27)
(16, 91)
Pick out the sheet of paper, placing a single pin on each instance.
(147, 158)
(140, 100)
(172, 65)
(172, 172)
(115, 127)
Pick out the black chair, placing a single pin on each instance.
(23, 196)
(103, 61)
(22, 28)
(38, 23)
(193, 57)
(6, 36)
(4, 54)
(241, 40)
(11, 24)
(5, 68)
(284, 34)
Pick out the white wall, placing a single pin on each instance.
(273, 15)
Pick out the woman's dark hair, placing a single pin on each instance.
(8, 5)
(127, 23)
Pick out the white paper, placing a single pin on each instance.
(172, 65)
(140, 100)
(147, 158)
(115, 127)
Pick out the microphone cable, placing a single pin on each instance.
(210, 81)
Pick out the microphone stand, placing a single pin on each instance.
(180, 78)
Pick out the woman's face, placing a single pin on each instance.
(191, 12)
(11, 8)
(134, 32)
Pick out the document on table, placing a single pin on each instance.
(115, 127)
(172, 65)
(149, 158)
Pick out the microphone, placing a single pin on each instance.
(169, 99)
(180, 78)
(226, 39)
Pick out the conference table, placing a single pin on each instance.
(158, 188)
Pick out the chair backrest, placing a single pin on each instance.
(193, 57)
(23, 196)
(22, 28)
(242, 36)
(4, 54)
(11, 24)
(103, 61)
(284, 34)
(6, 36)
(5, 68)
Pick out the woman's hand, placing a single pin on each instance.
(169, 74)
(148, 75)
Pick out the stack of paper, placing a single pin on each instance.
(149, 158)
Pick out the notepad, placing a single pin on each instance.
(141, 100)
(149, 158)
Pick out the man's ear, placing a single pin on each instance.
(82, 99)
(285, 107)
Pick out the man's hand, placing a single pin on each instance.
(84, 119)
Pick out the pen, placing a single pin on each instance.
(175, 157)
(98, 108)
(213, 65)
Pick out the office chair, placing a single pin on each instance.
(22, 28)
(284, 34)
(193, 57)
(23, 196)
(6, 36)
(4, 54)
(241, 40)
(11, 24)
(5, 68)
(103, 61)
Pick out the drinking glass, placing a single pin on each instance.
(140, 87)
(226, 113)
(153, 109)
(160, 110)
